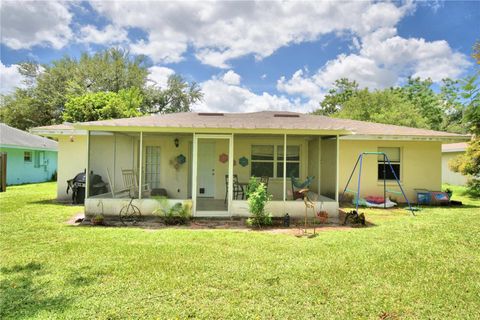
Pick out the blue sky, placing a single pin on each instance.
(250, 56)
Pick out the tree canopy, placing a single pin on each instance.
(102, 80)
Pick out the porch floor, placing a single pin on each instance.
(210, 204)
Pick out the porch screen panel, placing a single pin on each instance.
(152, 166)
(293, 161)
(262, 160)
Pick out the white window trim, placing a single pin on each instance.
(275, 160)
(391, 181)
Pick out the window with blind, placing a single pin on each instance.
(394, 156)
(267, 160)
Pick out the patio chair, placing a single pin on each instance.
(130, 183)
(297, 186)
(237, 188)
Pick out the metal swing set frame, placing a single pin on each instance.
(385, 191)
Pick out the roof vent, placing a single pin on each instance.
(210, 114)
(286, 115)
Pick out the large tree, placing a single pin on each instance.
(469, 163)
(342, 91)
(386, 106)
(50, 87)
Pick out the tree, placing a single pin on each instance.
(333, 102)
(384, 106)
(453, 108)
(50, 87)
(469, 163)
(178, 96)
(103, 105)
(425, 101)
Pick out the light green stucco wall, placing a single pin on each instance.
(19, 171)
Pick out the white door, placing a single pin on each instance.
(206, 170)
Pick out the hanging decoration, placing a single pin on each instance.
(178, 161)
(181, 159)
(243, 161)
(223, 158)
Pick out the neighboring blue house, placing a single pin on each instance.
(30, 158)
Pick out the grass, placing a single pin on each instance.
(403, 267)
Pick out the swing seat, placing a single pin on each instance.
(394, 192)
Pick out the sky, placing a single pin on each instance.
(250, 56)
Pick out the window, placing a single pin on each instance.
(152, 166)
(393, 155)
(39, 158)
(293, 161)
(262, 160)
(267, 160)
(27, 156)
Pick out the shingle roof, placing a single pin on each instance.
(454, 147)
(265, 120)
(14, 137)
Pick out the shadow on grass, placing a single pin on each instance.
(22, 296)
(54, 202)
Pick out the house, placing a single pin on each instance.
(204, 158)
(30, 158)
(449, 152)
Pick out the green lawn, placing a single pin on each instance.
(402, 267)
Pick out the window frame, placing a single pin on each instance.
(275, 161)
(30, 156)
(393, 162)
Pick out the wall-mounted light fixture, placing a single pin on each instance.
(72, 139)
(177, 142)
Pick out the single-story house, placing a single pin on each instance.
(451, 151)
(30, 158)
(205, 159)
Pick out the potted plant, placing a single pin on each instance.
(98, 220)
(322, 216)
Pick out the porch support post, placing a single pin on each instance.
(284, 167)
(87, 168)
(140, 169)
(230, 174)
(337, 169)
(114, 160)
(194, 173)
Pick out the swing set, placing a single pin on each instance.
(385, 190)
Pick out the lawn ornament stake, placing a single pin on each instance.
(309, 204)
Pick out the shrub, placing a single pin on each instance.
(178, 214)
(257, 200)
(98, 220)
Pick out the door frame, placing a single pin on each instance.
(213, 186)
(197, 137)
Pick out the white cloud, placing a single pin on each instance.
(231, 77)
(221, 31)
(220, 96)
(159, 75)
(10, 78)
(109, 35)
(27, 24)
(384, 59)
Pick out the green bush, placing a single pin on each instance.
(257, 200)
(178, 214)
